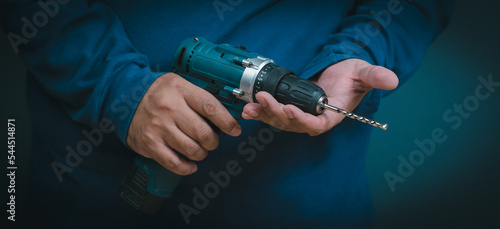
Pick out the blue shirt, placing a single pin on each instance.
(90, 62)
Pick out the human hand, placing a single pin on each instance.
(169, 117)
(345, 83)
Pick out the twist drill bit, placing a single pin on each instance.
(354, 116)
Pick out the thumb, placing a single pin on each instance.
(378, 77)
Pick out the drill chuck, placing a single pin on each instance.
(282, 84)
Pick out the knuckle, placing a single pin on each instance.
(172, 164)
(209, 107)
(176, 82)
(280, 124)
(148, 139)
(149, 98)
(166, 104)
(154, 124)
(175, 165)
(191, 150)
(204, 134)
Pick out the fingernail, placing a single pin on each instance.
(235, 131)
(289, 113)
(263, 103)
(195, 168)
(253, 113)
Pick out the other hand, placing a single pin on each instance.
(345, 83)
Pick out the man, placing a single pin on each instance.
(100, 93)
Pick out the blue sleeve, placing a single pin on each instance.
(394, 34)
(81, 56)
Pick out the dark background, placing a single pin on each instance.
(456, 187)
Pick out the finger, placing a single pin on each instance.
(254, 111)
(313, 125)
(251, 111)
(270, 105)
(272, 111)
(208, 106)
(378, 77)
(183, 144)
(170, 160)
(198, 129)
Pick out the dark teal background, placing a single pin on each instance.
(456, 187)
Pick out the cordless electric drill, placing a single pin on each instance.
(233, 75)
